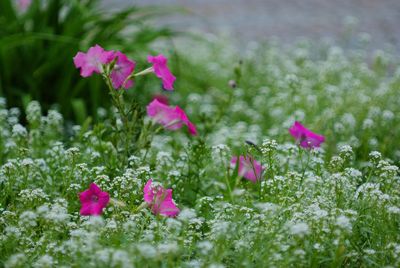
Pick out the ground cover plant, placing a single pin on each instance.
(284, 157)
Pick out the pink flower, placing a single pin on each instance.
(92, 61)
(248, 168)
(305, 137)
(161, 98)
(171, 118)
(23, 5)
(93, 200)
(160, 200)
(161, 70)
(122, 70)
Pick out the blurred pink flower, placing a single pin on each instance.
(171, 118)
(23, 5)
(92, 61)
(305, 137)
(160, 200)
(161, 98)
(93, 200)
(123, 68)
(248, 168)
(161, 70)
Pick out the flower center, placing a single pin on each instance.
(94, 198)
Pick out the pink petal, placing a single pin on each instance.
(171, 118)
(122, 70)
(148, 192)
(192, 129)
(103, 199)
(162, 71)
(161, 99)
(94, 188)
(85, 196)
(305, 137)
(97, 209)
(86, 210)
(164, 115)
(92, 61)
(248, 168)
(167, 206)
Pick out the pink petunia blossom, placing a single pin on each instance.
(92, 61)
(248, 168)
(122, 70)
(305, 137)
(171, 118)
(93, 200)
(160, 200)
(161, 70)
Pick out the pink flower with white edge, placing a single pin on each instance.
(123, 68)
(305, 137)
(161, 70)
(160, 200)
(93, 200)
(248, 168)
(171, 118)
(93, 61)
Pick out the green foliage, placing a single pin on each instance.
(37, 47)
(337, 206)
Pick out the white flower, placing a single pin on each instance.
(19, 131)
(300, 229)
(168, 248)
(147, 251)
(16, 260)
(343, 222)
(393, 210)
(205, 247)
(44, 261)
(187, 214)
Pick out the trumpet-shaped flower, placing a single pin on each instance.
(92, 61)
(93, 200)
(248, 167)
(161, 70)
(123, 68)
(171, 118)
(160, 200)
(305, 137)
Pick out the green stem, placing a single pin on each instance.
(144, 72)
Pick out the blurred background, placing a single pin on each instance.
(287, 20)
(38, 39)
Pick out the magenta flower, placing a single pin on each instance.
(171, 118)
(122, 70)
(305, 137)
(93, 60)
(161, 70)
(248, 168)
(160, 200)
(93, 200)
